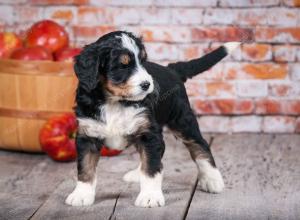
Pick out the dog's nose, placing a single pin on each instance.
(145, 85)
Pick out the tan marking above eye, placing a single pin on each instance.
(125, 59)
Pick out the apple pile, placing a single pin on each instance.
(57, 138)
(45, 40)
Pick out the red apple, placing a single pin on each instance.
(105, 151)
(57, 137)
(48, 34)
(31, 53)
(8, 42)
(67, 54)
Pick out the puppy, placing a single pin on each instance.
(122, 100)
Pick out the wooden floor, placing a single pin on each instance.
(261, 172)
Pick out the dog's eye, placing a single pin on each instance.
(124, 59)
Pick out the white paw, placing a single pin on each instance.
(211, 185)
(83, 195)
(132, 176)
(210, 178)
(150, 199)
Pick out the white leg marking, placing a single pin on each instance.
(83, 194)
(133, 175)
(210, 178)
(151, 194)
(231, 46)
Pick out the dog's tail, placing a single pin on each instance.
(192, 68)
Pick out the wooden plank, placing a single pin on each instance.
(26, 181)
(180, 174)
(262, 176)
(115, 198)
(109, 186)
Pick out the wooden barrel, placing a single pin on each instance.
(30, 93)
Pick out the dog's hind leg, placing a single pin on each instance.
(186, 127)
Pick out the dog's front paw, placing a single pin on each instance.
(150, 199)
(211, 182)
(132, 176)
(83, 195)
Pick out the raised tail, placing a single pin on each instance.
(194, 67)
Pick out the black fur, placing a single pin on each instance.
(167, 105)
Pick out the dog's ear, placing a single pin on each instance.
(88, 66)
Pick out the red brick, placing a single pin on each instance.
(195, 88)
(154, 15)
(244, 107)
(122, 16)
(257, 52)
(93, 15)
(161, 51)
(223, 106)
(268, 106)
(28, 13)
(295, 3)
(219, 124)
(93, 32)
(292, 107)
(266, 71)
(282, 17)
(246, 123)
(215, 73)
(284, 53)
(282, 35)
(252, 17)
(255, 71)
(222, 34)
(187, 15)
(182, 3)
(14, 2)
(192, 51)
(249, 3)
(204, 107)
(59, 2)
(279, 124)
(165, 33)
(220, 89)
(295, 71)
(252, 88)
(219, 16)
(60, 13)
(280, 89)
(230, 16)
(231, 106)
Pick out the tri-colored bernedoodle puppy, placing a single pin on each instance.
(123, 99)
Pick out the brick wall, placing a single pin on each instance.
(257, 89)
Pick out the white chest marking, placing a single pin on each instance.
(115, 124)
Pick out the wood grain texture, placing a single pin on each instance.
(109, 187)
(26, 182)
(262, 175)
(115, 198)
(261, 172)
(31, 90)
(180, 174)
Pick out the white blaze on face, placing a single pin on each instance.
(140, 75)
